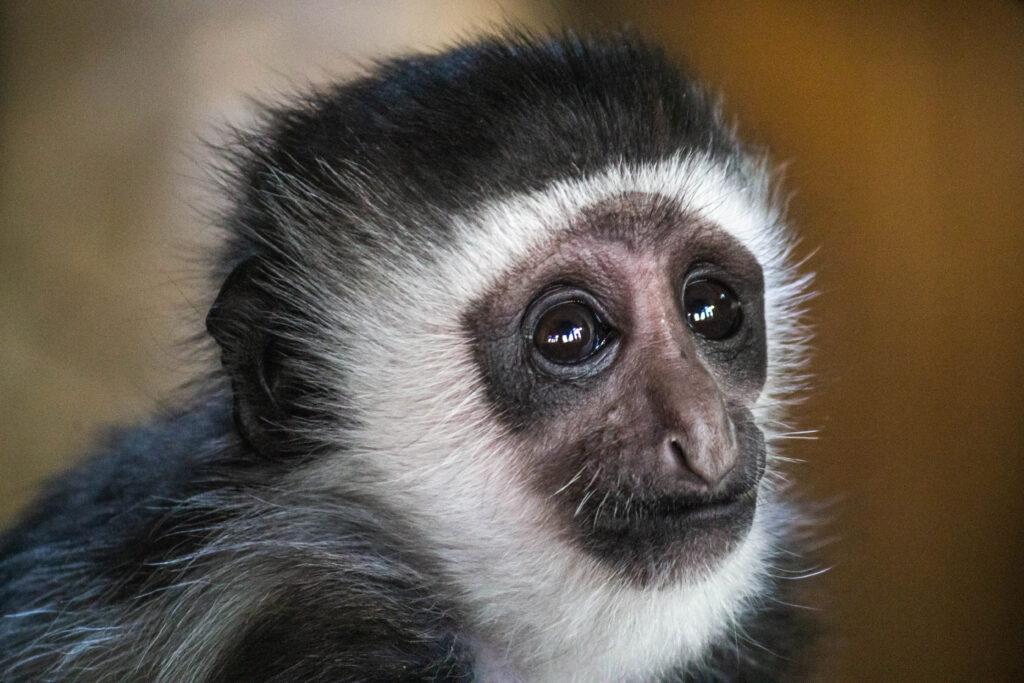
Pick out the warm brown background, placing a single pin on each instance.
(903, 126)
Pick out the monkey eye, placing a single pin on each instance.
(712, 309)
(569, 332)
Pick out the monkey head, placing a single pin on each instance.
(533, 301)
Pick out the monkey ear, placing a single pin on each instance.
(239, 321)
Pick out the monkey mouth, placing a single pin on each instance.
(715, 508)
(659, 539)
(687, 513)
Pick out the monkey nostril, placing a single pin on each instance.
(677, 453)
(676, 457)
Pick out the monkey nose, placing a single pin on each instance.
(705, 465)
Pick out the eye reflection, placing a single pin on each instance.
(575, 335)
(567, 333)
(712, 309)
(704, 314)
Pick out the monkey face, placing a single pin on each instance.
(627, 365)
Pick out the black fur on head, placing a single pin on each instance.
(375, 168)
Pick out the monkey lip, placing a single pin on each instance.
(694, 509)
(679, 511)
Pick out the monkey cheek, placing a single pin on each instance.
(615, 501)
(653, 535)
(657, 547)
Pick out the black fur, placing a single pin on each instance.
(430, 136)
(192, 504)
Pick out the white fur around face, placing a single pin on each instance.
(427, 440)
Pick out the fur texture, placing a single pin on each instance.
(341, 503)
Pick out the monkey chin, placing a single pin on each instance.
(663, 542)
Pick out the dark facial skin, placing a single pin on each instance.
(645, 443)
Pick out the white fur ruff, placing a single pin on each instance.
(541, 609)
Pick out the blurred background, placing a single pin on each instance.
(902, 125)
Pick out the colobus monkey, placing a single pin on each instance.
(504, 335)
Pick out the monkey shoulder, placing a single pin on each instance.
(160, 506)
(356, 629)
(134, 479)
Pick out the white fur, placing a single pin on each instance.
(541, 609)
